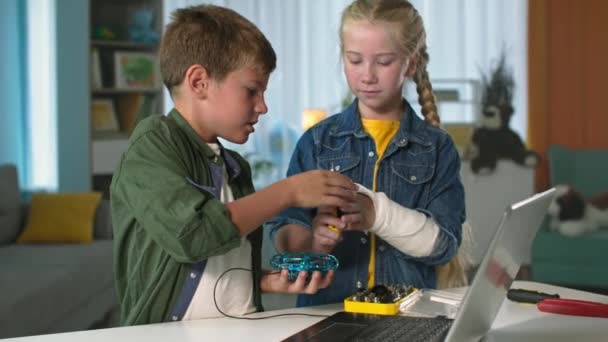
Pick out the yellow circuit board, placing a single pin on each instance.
(380, 300)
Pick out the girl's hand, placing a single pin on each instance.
(278, 282)
(324, 238)
(359, 215)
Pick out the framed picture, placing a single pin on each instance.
(103, 115)
(136, 70)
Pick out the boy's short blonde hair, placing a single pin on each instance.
(215, 37)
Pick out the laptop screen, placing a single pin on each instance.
(502, 260)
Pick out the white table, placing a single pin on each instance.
(523, 322)
(515, 322)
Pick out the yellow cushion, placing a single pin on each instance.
(61, 217)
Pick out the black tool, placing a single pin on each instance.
(528, 296)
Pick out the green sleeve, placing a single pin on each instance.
(188, 223)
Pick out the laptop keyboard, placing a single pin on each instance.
(400, 328)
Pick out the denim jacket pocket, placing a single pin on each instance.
(420, 148)
(339, 163)
(412, 173)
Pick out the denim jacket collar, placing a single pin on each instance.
(411, 127)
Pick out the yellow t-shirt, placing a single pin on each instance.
(382, 131)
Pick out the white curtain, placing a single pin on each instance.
(464, 38)
(42, 166)
(304, 34)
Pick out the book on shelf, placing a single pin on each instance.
(134, 107)
(103, 115)
(128, 107)
(96, 82)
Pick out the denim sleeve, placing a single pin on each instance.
(446, 204)
(302, 160)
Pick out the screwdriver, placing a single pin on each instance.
(331, 226)
(339, 212)
(528, 296)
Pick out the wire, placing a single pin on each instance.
(252, 318)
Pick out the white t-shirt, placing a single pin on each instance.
(234, 293)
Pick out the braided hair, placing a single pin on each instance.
(410, 36)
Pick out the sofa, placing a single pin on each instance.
(579, 261)
(51, 287)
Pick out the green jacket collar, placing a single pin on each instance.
(233, 167)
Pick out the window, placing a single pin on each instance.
(41, 95)
(465, 37)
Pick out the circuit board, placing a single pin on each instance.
(380, 299)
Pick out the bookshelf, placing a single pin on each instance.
(125, 84)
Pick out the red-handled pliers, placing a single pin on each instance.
(573, 307)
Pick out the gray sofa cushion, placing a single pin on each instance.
(10, 204)
(42, 285)
(102, 228)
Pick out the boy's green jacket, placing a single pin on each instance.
(167, 220)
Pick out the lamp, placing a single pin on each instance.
(311, 116)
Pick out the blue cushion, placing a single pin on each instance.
(584, 169)
(570, 261)
(578, 261)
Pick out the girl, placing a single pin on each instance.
(410, 209)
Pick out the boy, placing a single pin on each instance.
(184, 208)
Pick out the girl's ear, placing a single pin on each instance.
(197, 80)
(411, 66)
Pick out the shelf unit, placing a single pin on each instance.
(125, 79)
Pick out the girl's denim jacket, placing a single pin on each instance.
(420, 170)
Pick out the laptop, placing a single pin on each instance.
(501, 262)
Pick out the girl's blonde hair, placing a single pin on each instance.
(410, 36)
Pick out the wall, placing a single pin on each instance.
(73, 145)
(568, 76)
(12, 107)
(72, 97)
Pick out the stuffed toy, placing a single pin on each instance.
(141, 28)
(572, 214)
(493, 139)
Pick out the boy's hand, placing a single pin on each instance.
(359, 215)
(324, 239)
(321, 188)
(279, 282)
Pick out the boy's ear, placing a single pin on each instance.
(197, 80)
